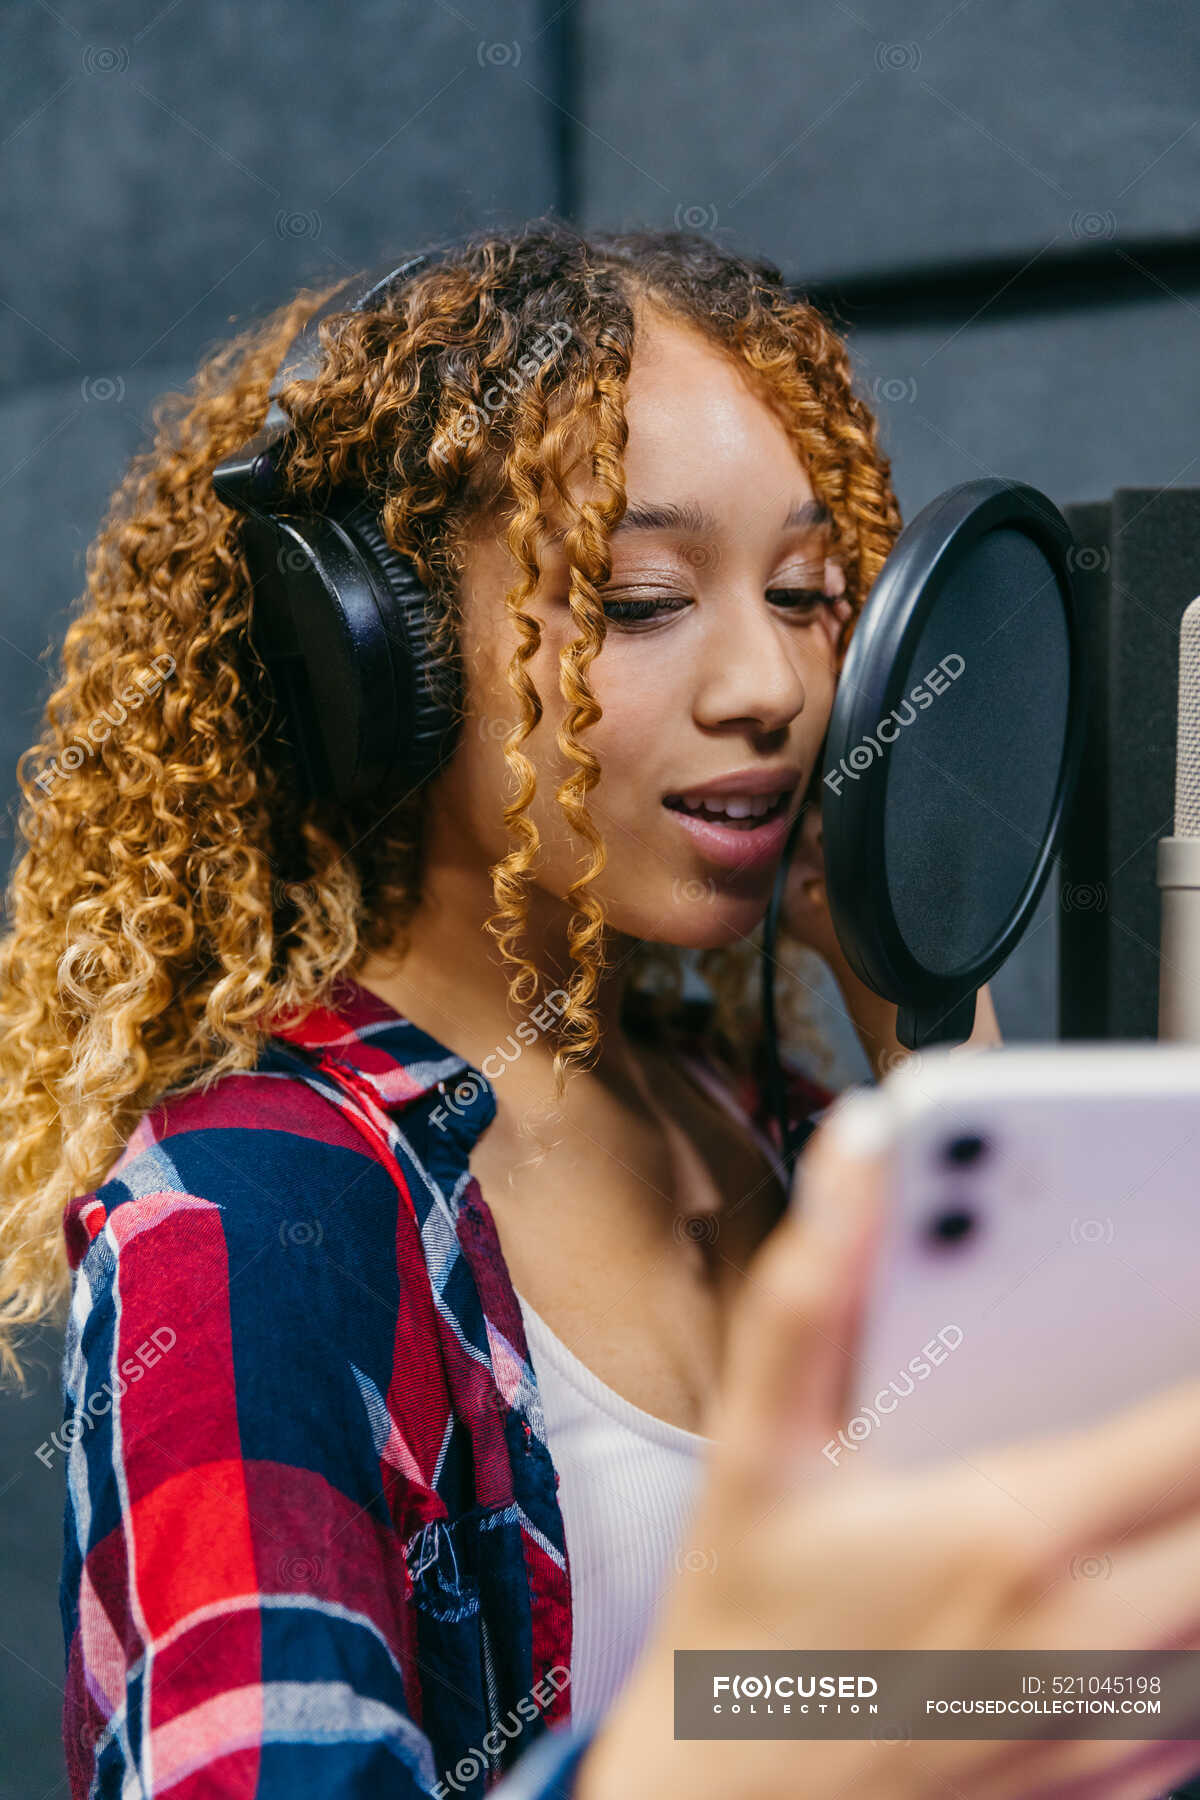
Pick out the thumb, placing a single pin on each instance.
(792, 1347)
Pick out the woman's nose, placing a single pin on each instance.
(751, 668)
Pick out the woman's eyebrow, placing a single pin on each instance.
(690, 516)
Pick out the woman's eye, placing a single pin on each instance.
(632, 612)
(799, 599)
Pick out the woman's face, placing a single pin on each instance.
(719, 662)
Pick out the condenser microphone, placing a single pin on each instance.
(1178, 869)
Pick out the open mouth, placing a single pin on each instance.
(744, 813)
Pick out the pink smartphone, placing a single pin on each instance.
(1039, 1265)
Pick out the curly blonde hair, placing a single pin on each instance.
(172, 893)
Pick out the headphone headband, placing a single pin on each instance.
(248, 478)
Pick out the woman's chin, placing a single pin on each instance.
(705, 922)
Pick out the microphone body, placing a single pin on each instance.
(1178, 867)
(1179, 963)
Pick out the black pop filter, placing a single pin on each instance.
(952, 753)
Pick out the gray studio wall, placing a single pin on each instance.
(1003, 195)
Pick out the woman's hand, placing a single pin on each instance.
(806, 917)
(784, 1550)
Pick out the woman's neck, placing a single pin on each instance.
(451, 980)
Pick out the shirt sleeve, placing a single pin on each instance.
(234, 1607)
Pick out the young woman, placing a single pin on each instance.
(441, 1355)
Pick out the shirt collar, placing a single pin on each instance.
(402, 1063)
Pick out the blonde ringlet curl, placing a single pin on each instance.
(170, 895)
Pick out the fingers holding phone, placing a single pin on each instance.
(971, 1550)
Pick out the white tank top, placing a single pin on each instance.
(627, 1483)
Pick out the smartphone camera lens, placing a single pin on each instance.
(968, 1147)
(952, 1225)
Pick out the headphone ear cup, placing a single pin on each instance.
(343, 625)
(427, 685)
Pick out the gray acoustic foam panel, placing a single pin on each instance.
(893, 135)
(1076, 401)
(32, 1492)
(75, 447)
(168, 166)
(1142, 551)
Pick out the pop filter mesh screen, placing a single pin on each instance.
(972, 769)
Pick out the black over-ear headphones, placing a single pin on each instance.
(341, 621)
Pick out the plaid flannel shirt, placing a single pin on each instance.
(313, 1545)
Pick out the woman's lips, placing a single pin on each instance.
(736, 847)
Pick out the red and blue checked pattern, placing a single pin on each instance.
(313, 1545)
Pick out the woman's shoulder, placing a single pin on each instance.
(259, 1150)
(250, 1235)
